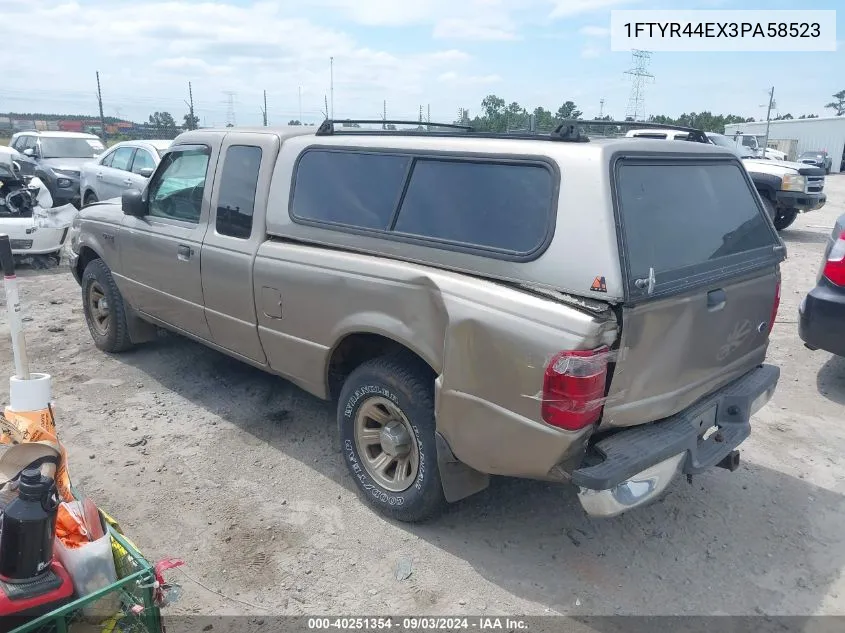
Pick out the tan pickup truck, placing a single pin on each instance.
(595, 312)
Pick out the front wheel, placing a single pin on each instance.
(104, 309)
(386, 422)
(784, 218)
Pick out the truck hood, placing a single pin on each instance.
(779, 167)
(110, 212)
(73, 164)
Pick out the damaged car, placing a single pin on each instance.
(27, 214)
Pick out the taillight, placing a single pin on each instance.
(573, 388)
(834, 267)
(775, 307)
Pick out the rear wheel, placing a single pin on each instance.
(104, 310)
(784, 218)
(386, 421)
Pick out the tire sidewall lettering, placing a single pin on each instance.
(369, 487)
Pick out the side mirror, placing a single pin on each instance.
(132, 202)
(146, 172)
(29, 152)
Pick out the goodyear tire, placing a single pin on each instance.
(386, 421)
(105, 313)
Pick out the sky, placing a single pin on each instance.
(438, 54)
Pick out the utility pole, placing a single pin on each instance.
(420, 113)
(264, 111)
(300, 106)
(768, 119)
(384, 116)
(100, 100)
(326, 102)
(331, 85)
(601, 108)
(190, 104)
(428, 114)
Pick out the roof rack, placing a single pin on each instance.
(567, 127)
(571, 131)
(353, 126)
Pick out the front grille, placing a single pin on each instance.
(21, 245)
(815, 184)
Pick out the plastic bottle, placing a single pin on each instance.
(27, 528)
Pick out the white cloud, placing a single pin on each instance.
(590, 52)
(568, 8)
(594, 31)
(469, 29)
(452, 77)
(147, 56)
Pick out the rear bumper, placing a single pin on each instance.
(821, 323)
(801, 201)
(27, 239)
(636, 465)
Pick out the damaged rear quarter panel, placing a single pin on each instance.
(487, 343)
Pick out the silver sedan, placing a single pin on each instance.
(126, 165)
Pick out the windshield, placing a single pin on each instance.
(71, 147)
(810, 155)
(723, 141)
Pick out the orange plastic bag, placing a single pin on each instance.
(37, 426)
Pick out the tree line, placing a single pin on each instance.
(496, 115)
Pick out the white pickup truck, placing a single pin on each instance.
(786, 188)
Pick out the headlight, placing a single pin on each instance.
(63, 182)
(67, 172)
(793, 182)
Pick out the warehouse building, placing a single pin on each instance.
(794, 136)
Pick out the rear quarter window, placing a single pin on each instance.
(684, 219)
(496, 206)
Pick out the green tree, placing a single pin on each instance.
(191, 122)
(568, 111)
(163, 121)
(839, 105)
(784, 117)
(809, 116)
(543, 119)
(294, 122)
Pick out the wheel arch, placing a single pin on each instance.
(358, 346)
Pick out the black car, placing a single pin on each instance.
(818, 158)
(822, 312)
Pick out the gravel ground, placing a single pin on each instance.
(238, 473)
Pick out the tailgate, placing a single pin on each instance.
(701, 261)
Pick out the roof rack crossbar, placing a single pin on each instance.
(328, 127)
(568, 125)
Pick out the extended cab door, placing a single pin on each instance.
(236, 229)
(161, 251)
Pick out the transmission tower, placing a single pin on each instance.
(639, 75)
(230, 108)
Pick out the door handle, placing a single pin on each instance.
(716, 299)
(99, 175)
(183, 253)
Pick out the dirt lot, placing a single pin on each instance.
(238, 473)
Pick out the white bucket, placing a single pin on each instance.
(34, 394)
